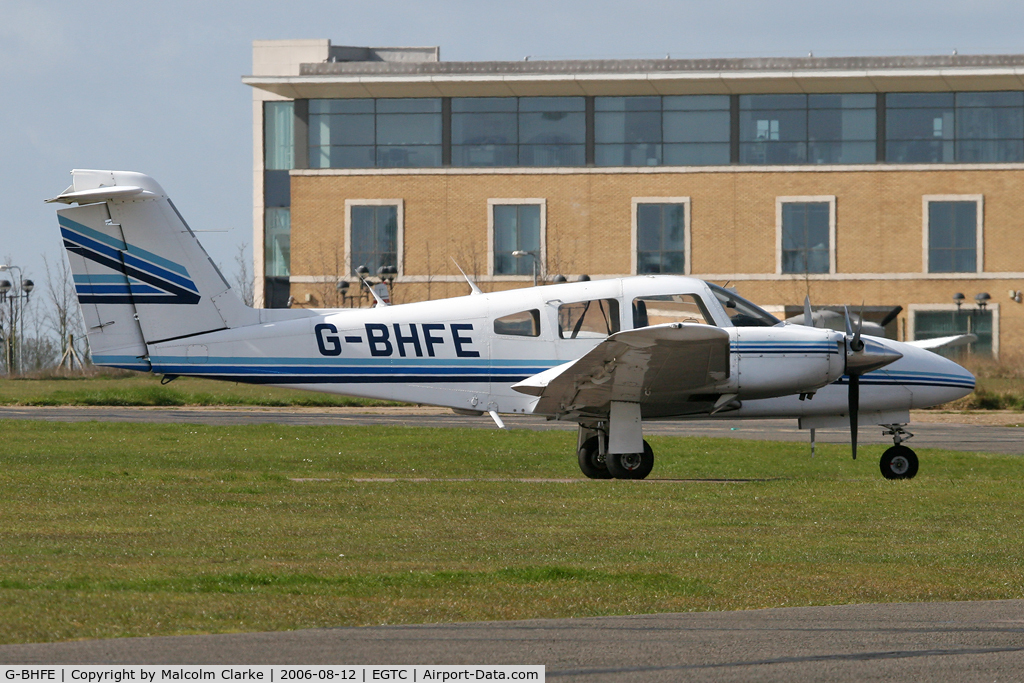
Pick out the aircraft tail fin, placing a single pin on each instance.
(140, 274)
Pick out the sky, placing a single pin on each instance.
(156, 86)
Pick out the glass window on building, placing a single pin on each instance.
(989, 127)
(409, 133)
(627, 131)
(374, 235)
(919, 127)
(516, 228)
(552, 131)
(341, 134)
(366, 133)
(773, 129)
(841, 129)
(485, 131)
(933, 324)
(952, 237)
(805, 237)
(695, 130)
(277, 242)
(660, 238)
(279, 135)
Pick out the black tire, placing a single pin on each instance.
(899, 462)
(591, 463)
(631, 465)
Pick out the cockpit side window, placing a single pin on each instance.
(588, 319)
(658, 309)
(741, 312)
(521, 324)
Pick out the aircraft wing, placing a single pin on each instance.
(945, 342)
(660, 367)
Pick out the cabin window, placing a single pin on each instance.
(588, 319)
(669, 308)
(521, 324)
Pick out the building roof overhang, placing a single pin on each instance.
(648, 77)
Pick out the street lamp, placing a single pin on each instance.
(15, 336)
(519, 253)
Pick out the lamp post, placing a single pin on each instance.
(15, 336)
(519, 253)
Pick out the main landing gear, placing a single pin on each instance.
(898, 462)
(596, 464)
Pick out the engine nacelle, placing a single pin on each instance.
(776, 361)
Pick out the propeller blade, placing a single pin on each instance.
(890, 316)
(808, 314)
(849, 327)
(854, 408)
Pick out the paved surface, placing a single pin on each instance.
(965, 641)
(955, 436)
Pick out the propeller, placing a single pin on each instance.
(861, 359)
(890, 316)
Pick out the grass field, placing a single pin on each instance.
(112, 530)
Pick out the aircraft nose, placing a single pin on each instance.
(946, 381)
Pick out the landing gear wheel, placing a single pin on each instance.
(592, 464)
(899, 462)
(631, 465)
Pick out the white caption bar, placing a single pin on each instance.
(267, 674)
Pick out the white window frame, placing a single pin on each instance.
(831, 200)
(685, 201)
(965, 308)
(542, 259)
(349, 203)
(979, 229)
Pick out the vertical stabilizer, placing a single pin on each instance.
(140, 273)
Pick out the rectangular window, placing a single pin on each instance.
(277, 242)
(919, 127)
(485, 131)
(627, 131)
(806, 234)
(696, 130)
(989, 127)
(278, 136)
(374, 234)
(552, 131)
(660, 235)
(773, 129)
(930, 324)
(953, 234)
(841, 129)
(588, 319)
(517, 237)
(364, 133)
(522, 324)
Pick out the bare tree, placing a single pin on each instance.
(244, 284)
(64, 315)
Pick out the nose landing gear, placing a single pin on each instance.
(898, 462)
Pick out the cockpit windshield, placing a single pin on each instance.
(741, 312)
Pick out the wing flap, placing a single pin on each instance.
(658, 367)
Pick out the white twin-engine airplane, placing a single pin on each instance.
(604, 354)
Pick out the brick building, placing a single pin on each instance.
(892, 181)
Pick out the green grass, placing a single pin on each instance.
(113, 530)
(136, 389)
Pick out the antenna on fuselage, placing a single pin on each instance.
(472, 285)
